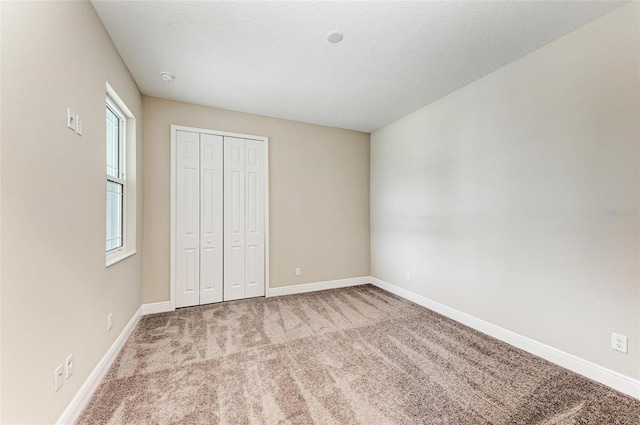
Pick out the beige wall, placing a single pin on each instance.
(495, 197)
(56, 291)
(319, 194)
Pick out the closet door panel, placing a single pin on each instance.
(234, 218)
(211, 226)
(254, 216)
(187, 278)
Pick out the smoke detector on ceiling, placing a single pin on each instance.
(167, 76)
(334, 37)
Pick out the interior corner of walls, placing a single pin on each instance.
(288, 183)
(158, 307)
(462, 202)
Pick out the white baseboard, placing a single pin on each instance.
(164, 306)
(317, 286)
(608, 377)
(611, 378)
(160, 307)
(73, 410)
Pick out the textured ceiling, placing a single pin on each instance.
(272, 58)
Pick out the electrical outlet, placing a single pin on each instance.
(58, 379)
(407, 275)
(69, 366)
(298, 271)
(109, 321)
(619, 342)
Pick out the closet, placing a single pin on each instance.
(218, 220)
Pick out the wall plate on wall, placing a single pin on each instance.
(79, 124)
(71, 119)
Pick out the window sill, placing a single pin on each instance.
(117, 257)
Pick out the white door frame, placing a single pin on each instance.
(172, 265)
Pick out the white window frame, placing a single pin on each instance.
(127, 154)
(122, 169)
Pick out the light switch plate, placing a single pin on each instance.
(79, 124)
(58, 378)
(71, 119)
(69, 365)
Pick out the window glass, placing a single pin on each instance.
(114, 215)
(113, 144)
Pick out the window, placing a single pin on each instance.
(120, 241)
(116, 187)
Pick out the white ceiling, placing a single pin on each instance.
(272, 58)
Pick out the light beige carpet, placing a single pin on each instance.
(348, 356)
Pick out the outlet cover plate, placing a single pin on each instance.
(619, 342)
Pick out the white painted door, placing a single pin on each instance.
(211, 228)
(220, 210)
(254, 212)
(244, 216)
(187, 261)
(234, 219)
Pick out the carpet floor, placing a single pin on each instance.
(357, 355)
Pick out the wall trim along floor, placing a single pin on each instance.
(611, 378)
(153, 308)
(164, 306)
(318, 286)
(73, 410)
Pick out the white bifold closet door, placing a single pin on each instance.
(220, 214)
(244, 264)
(211, 214)
(199, 227)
